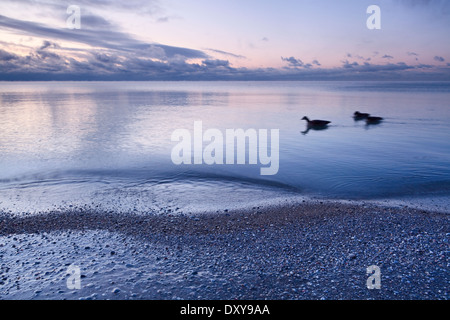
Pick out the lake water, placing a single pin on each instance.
(108, 145)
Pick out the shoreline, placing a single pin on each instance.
(300, 251)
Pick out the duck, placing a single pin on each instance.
(316, 123)
(358, 115)
(374, 120)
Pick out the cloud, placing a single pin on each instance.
(109, 39)
(226, 53)
(386, 56)
(293, 62)
(357, 56)
(347, 65)
(52, 61)
(51, 64)
(49, 44)
(163, 19)
(424, 66)
(413, 54)
(7, 56)
(438, 59)
(297, 63)
(216, 63)
(94, 22)
(167, 19)
(105, 58)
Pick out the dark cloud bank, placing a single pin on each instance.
(114, 55)
(46, 63)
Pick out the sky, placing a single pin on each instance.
(224, 40)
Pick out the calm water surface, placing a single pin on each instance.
(108, 145)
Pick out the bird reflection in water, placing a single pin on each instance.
(314, 129)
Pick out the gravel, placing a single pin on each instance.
(313, 250)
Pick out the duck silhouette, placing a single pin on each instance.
(374, 120)
(316, 123)
(360, 116)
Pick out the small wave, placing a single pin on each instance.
(137, 191)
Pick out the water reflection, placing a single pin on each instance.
(309, 128)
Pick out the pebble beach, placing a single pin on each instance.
(313, 250)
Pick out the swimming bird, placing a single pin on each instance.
(316, 123)
(359, 116)
(374, 120)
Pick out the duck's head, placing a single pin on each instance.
(305, 118)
